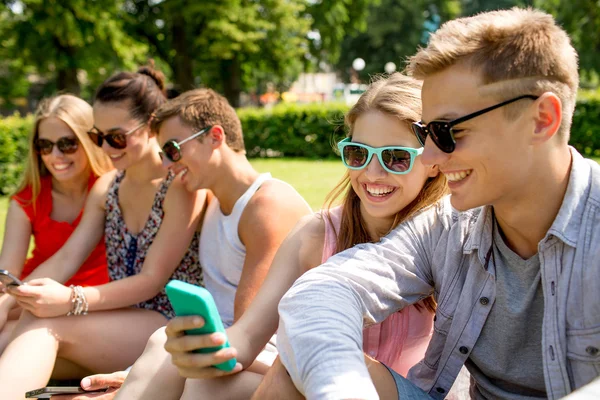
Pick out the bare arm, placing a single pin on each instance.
(14, 248)
(299, 252)
(263, 226)
(181, 213)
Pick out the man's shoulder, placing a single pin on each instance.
(276, 195)
(274, 202)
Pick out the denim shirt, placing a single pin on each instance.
(444, 252)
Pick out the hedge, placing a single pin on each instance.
(14, 132)
(290, 130)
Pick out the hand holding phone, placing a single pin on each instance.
(9, 279)
(187, 300)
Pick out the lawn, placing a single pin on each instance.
(312, 178)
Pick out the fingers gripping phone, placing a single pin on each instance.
(9, 279)
(49, 391)
(188, 299)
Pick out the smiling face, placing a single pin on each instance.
(194, 164)
(115, 118)
(63, 167)
(493, 159)
(383, 194)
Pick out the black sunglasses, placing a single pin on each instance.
(441, 131)
(66, 145)
(172, 148)
(116, 140)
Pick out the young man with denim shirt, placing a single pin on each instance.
(517, 281)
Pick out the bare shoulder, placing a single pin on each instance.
(275, 196)
(100, 189)
(276, 207)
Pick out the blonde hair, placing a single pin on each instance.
(77, 114)
(524, 51)
(398, 96)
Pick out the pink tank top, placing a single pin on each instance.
(399, 341)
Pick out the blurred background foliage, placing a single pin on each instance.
(234, 46)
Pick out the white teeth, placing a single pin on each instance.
(115, 156)
(457, 176)
(379, 190)
(61, 167)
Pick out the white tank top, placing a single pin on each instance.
(222, 253)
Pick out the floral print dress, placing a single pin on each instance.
(125, 252)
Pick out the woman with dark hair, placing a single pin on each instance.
(385, 184)
(150, 224)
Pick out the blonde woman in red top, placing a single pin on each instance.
(61, 168)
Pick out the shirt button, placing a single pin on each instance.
(372, 353)
(484, 301)
(463, 349)
(440, 390)
(591, 350)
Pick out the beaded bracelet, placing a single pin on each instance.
(79, 302)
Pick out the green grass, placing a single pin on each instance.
(313, 179)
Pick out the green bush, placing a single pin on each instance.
(14, 132)
(293, 130)
(289, 130)
(585, 131)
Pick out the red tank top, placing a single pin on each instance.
(49, 236)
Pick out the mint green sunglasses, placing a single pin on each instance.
(394, 159)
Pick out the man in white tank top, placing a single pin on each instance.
(246, 220)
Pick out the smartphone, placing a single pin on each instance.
(49, 391)
(9, 279)
(188, 299)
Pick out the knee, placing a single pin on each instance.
(157, 340)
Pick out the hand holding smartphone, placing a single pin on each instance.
(187, 300)
(9, 279)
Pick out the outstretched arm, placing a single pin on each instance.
(262, 230)
(322, 315)
(14, 251)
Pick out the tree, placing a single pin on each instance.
(222, 43)
(395, 29)
(581, 19)
(68, 41)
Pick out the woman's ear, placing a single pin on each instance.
(433, 171)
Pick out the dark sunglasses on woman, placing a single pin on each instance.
(66, 145)
(172, 148)
(116, 140)
(441, 131)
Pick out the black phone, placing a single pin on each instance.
(49, 391)
(9, 279)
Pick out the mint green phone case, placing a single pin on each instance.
(188, 299)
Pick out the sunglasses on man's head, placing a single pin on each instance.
(441, 131)
(66, 145)
(394, 159)
(116, 140)
(172, 148)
